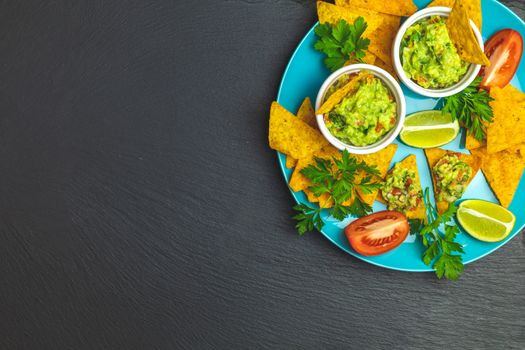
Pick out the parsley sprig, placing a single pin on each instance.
(342, 42)
(441, 246)
(307, 219)
(338, 179)
(471, 108)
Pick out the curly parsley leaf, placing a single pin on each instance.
(471, 108)
(308, 219)
(442, 251)
(341, 42)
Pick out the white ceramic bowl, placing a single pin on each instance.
(394, 89)
(454, 89)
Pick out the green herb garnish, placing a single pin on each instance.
(336, 178)
(442, 246)
(471, 108)
(308, 219)
(416, 225)
(342, 42)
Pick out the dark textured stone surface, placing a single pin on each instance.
(141, 207)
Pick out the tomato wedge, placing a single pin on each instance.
(504, 50)
(377, 233)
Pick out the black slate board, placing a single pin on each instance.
(142, 208)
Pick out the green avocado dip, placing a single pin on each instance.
(365, 115)
(451, 175)
(400, 190)
(428, 55)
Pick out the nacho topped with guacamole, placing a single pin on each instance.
(365, 114)
(451, 173)
(428, 55)
(401, 190)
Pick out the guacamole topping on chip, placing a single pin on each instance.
(452, 176)
(414, 185)
(428, 55)
(448, 186)
(363, 116)
(400, 190)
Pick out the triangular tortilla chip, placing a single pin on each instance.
(461, 34)
(307, 114)
(503, 171)
(329, 13)
(382, 160)
(410, 164)
(335, 98)
(473, 8)
(508, 126)
(382, 39)
(397, 8)
(291, 136)
(435, 154)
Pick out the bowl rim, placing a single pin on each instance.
(465, 81)
(395, 90)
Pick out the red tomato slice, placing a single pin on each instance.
(377, 233)
(504, 49)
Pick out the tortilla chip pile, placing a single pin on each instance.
(435, 154)
(301, 141)
(383, 19)
(503, 152)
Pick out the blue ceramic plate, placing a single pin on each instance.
(303, 77)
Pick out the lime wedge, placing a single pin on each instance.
(429, 129)
(485, 221)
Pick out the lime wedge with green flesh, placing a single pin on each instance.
(485, 221)
(429, 129)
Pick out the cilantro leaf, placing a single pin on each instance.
(337, 179)
(308, 219)
(471, 108)
(341, 42)
(442, 251)
(416, 225)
